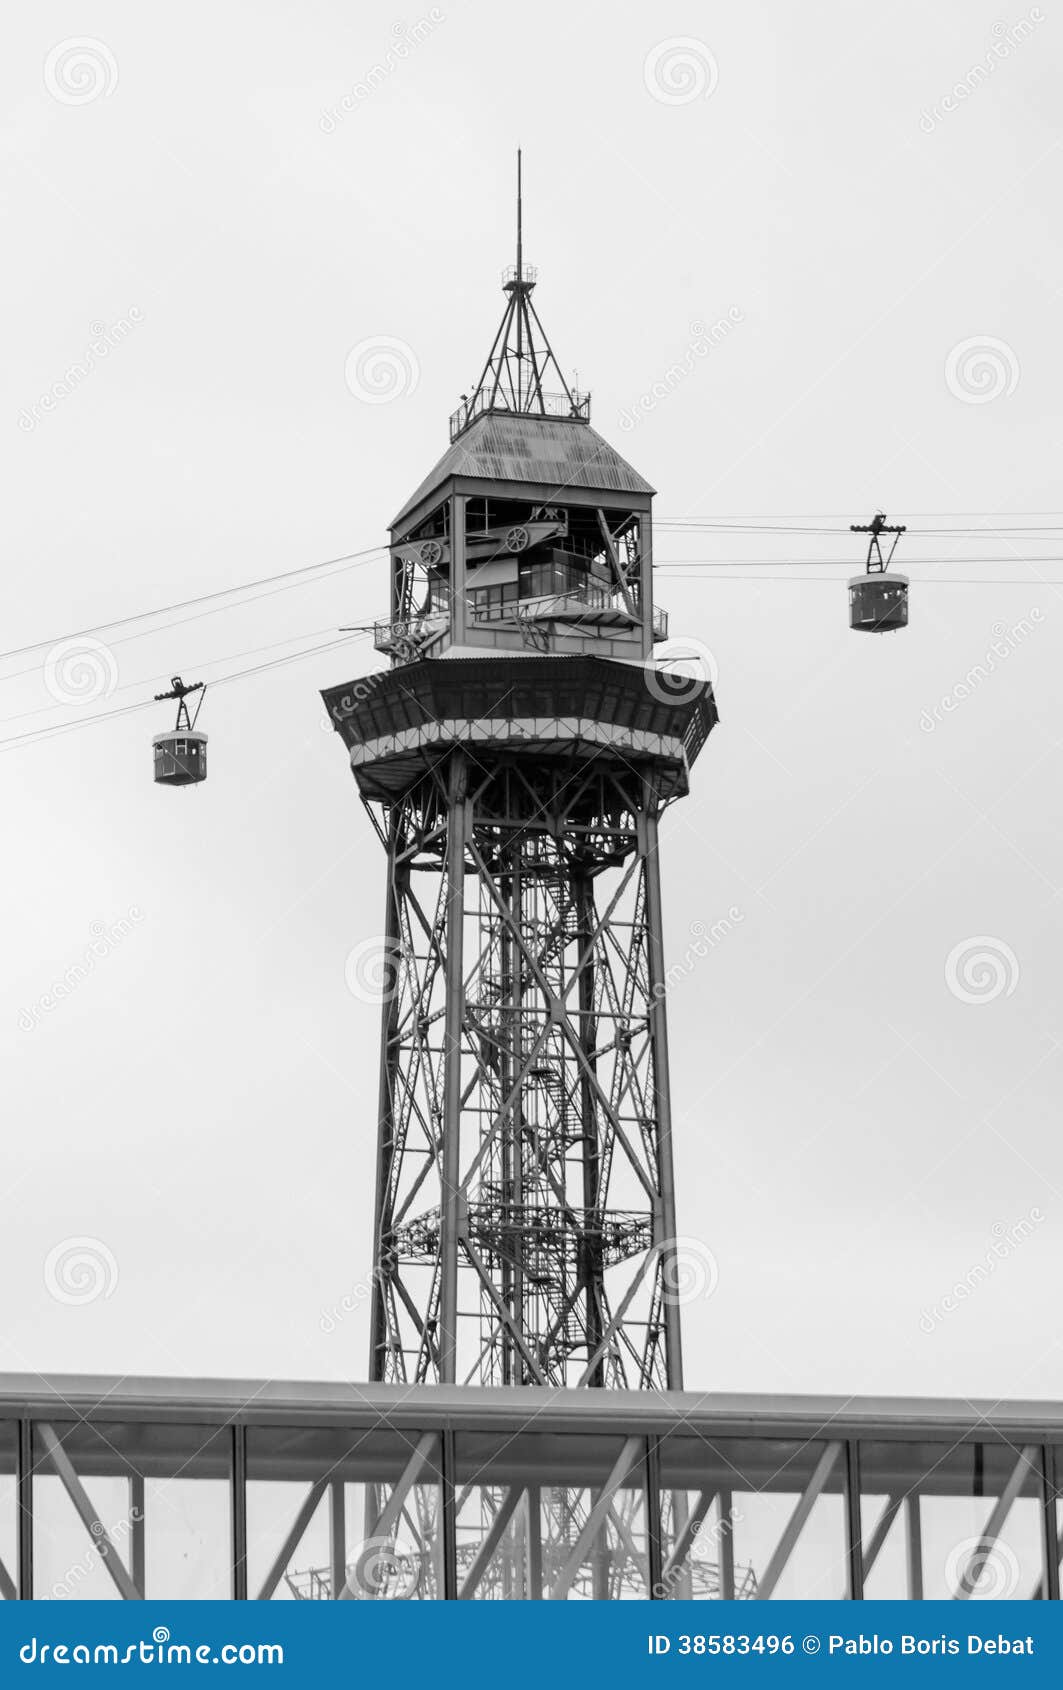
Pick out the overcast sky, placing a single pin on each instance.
(229, 201)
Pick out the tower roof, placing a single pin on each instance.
(523, 423)
(550, 452)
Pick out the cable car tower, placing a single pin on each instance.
(516, 760)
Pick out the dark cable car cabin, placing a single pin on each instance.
(180, 758)
(181, 754)
(878, 603)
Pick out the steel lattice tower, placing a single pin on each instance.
(516, 759)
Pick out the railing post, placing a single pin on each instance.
(853, 1520)
(448, 1517)
(654, 1557)
(1050, 1521)
(238, 1486)
(25, 1510)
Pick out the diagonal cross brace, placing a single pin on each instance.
(95, 1527)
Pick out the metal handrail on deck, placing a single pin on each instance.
(576, 407)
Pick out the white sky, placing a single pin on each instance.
(849, 1133)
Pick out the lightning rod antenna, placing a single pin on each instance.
(520, 238)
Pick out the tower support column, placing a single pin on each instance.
(451, 1202)
(666, 1237)
(525, 1208)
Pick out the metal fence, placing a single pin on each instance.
(576, 406)
(176, 1489)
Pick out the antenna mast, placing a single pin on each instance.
(520, 287)
(520, 240)
(520, 346)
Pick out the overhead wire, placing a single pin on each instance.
(698, 569)
(832, 563)
(957, 522)
(302, 574)
(55, 729)
(202, 663)
(346, 559)
(921, 581)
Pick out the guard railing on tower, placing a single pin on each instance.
(407, 637)
(575, 406)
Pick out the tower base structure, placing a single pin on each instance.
(525, 1204)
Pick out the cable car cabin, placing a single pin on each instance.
(180, 758)
(878, 603)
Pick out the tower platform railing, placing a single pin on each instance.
(407, 637)
(573, 407)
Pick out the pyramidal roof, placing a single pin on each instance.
(523, 423)
(550, 452)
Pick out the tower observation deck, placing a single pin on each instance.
(517, 758)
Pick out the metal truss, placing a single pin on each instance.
(525, 1202)
(464, 1494)
(521, 362)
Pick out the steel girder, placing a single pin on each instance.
(525, 1201)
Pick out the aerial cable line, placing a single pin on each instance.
(298, 577)
(164, 674)
(842, 516)
(165, 627)
(980, 530)
(54, 729)
(924, 580)
(203, 598)
(832, 563)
